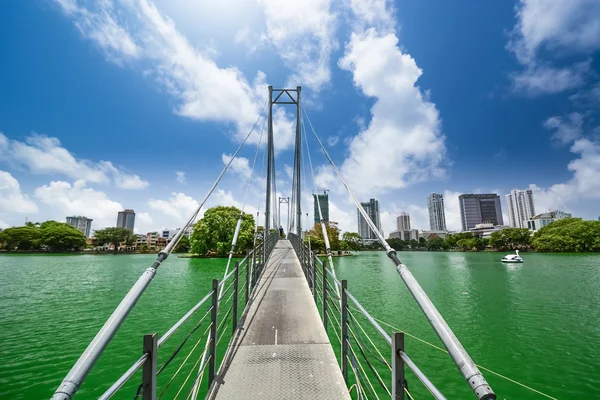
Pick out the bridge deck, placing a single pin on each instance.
(283, 351)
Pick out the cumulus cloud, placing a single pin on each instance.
(179, 206)
(180, 176)
(557, 27)
(566, 130)
(77, 199)
(44, 155)
(404, 133)
(12, 199)
(302, 33)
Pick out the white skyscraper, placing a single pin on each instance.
(520, 207)
(437, 217)
(403, 222)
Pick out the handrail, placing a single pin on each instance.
(136, 365)
(67, 388)
(299, 246)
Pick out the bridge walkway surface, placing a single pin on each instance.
(282, 350)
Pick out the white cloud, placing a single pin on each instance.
(179, 207)
(333, 140)
(12, 200)
(452, 211)
(241, 165)
(376, 13)
(180, 176)
(565, 130)
(403, 142)
(538, 79)
(583, 185)
(302, 32)
(557, 27)
(77, 199)
(102, 27)
(144, 223)
(42, 154)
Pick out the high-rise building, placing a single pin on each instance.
(83, 224)
(403, 222)
(520, 207)
(372, 209)
(324, 203)
(126, 219)
(437, 216)
(479, 208)
(541, 220)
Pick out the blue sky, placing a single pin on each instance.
(103, 102)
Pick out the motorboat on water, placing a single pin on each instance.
(512, 258)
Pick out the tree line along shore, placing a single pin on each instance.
(212, 236)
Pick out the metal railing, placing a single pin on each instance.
(360, 336)
(238, 289)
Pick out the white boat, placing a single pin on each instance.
(512, 258)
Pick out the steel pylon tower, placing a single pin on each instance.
(284, 96)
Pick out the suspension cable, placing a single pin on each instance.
(323, 227)
(456, 350)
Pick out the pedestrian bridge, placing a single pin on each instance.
(282, 350)
(279, 325)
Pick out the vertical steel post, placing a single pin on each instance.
(247, 280)
(213, 331)
(324, 305)
(344, 334)
(236, 285)
(269, 163)
(314, 276)
(149, 369)
(397, 366)
(298, 153)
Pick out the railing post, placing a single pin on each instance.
(213, 331)
(324, 297)
(247, 280)
(149, 369)
(344, 331)
(236, 285)
(397, 366)
(314, 277)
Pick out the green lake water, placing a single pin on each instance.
(537, 323)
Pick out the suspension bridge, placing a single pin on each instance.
(279, 324)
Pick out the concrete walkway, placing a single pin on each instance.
(282, 351)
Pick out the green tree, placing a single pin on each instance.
(568, 235)
(351, 241)
(59, 236)
(511, 239)
(422, 242)
(397, 244)
(452, 240)
(414, 244)
(184, 245)
(214, 232)
(436, 243)
(144, 248)
(317, 244)
(114, 236)
(21, 238)
(333, 233)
